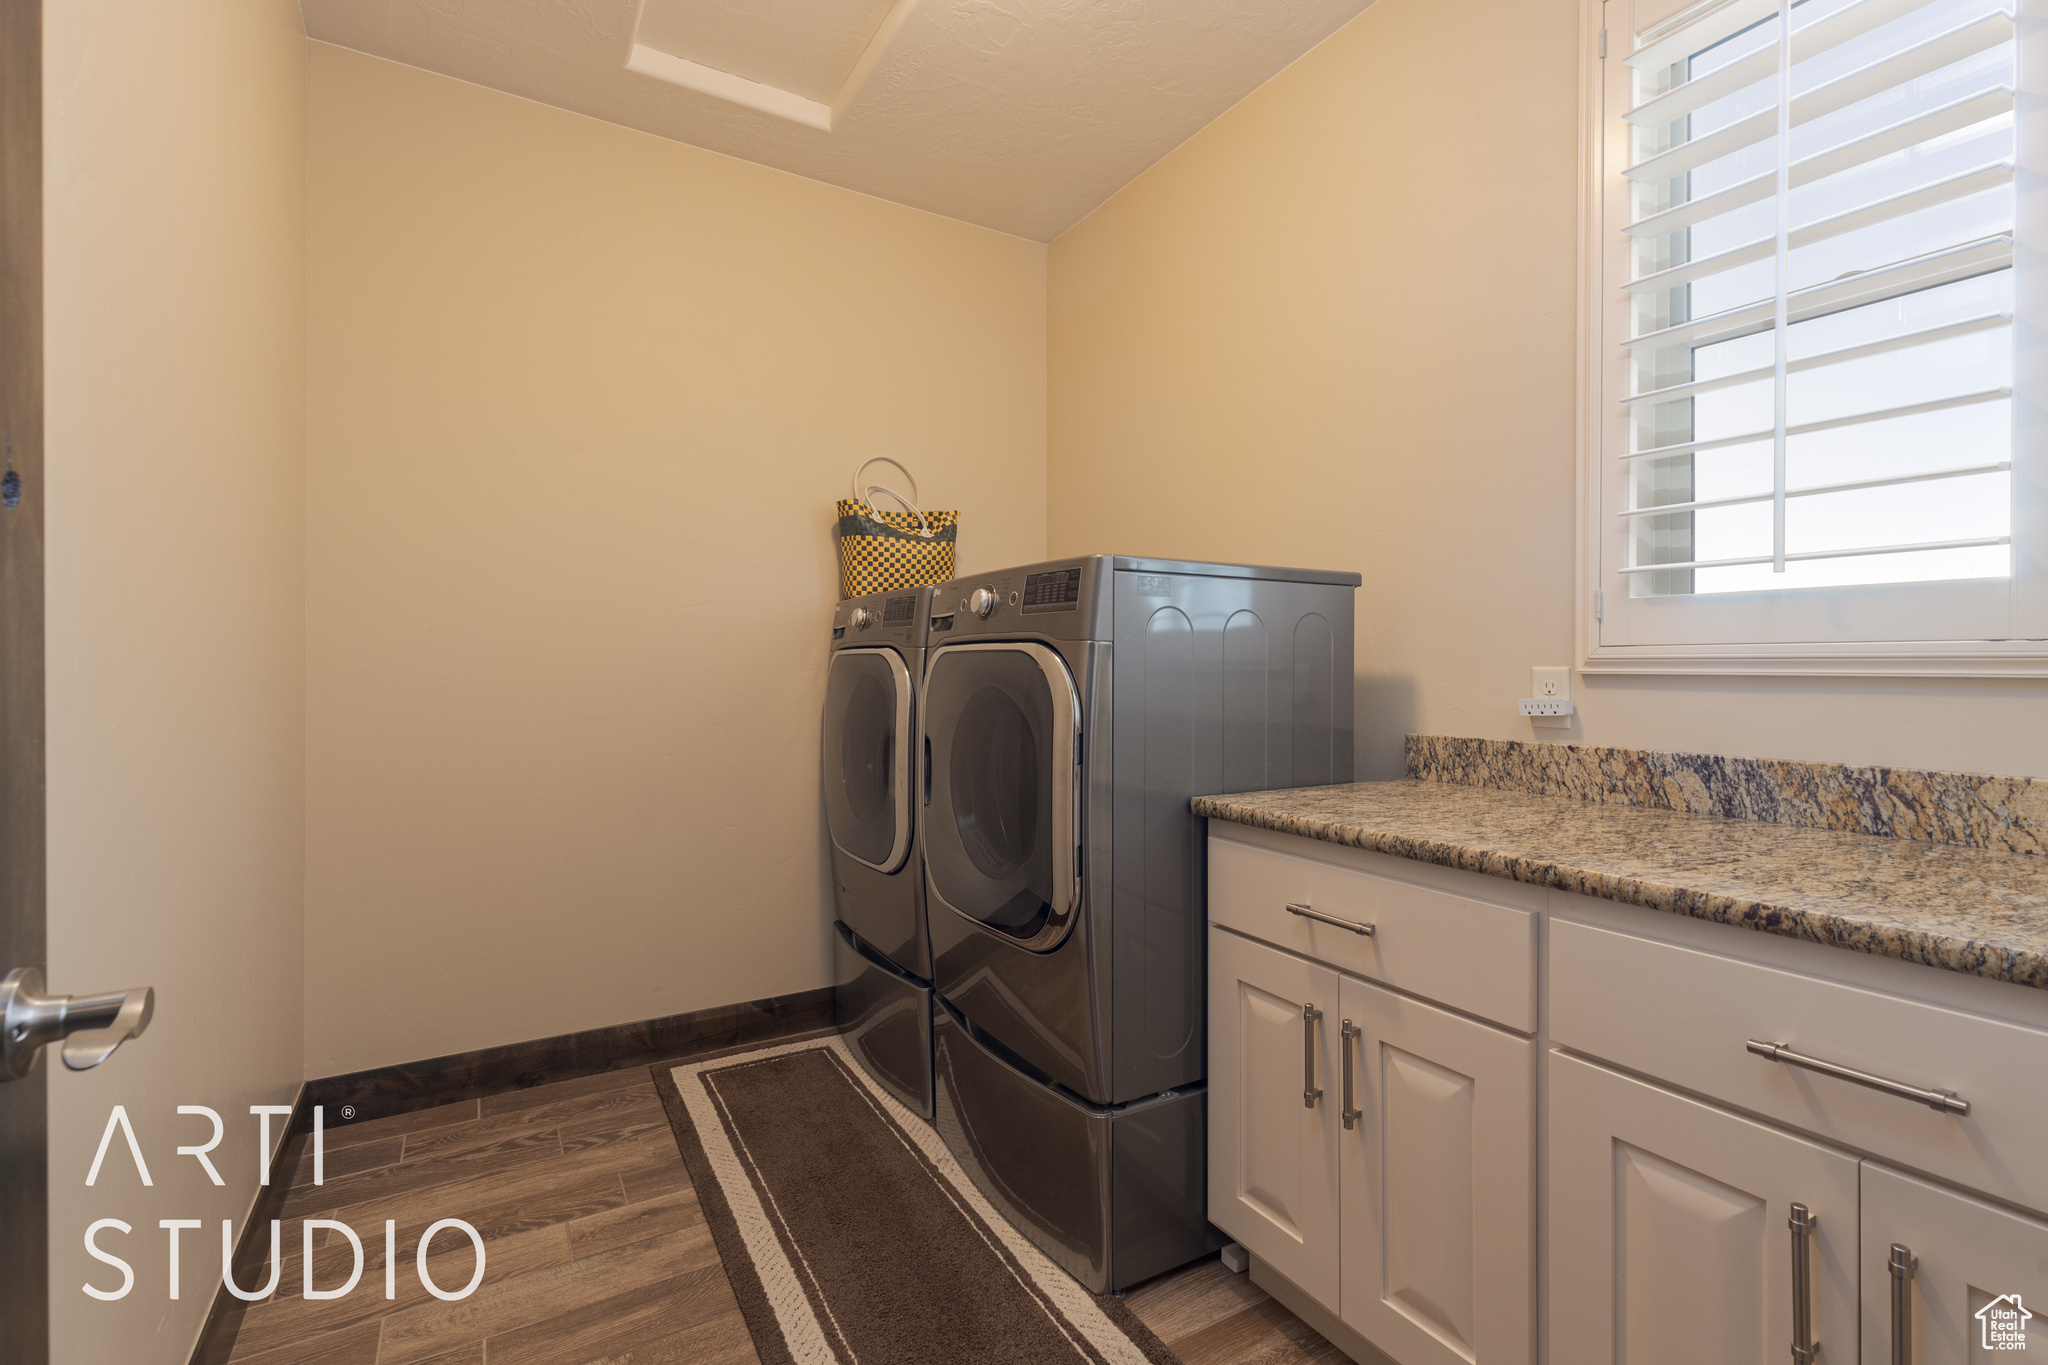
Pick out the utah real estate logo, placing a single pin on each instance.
(2005, 1323)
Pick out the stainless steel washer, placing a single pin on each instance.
(1071, 711)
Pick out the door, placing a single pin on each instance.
(24, 1211)
(1670, 1240)
(868, 735)
(1975, 1281)
(1438, 1181)
(1273, 1108)
(1002, 843)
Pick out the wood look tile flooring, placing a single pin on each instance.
(597, 1251)
(1208, 1316)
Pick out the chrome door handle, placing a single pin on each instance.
(1320, 918)
(1804, 1348)
(1309, 1094)
(29, 1020)
(1901, 1266)
(1352, 1032)
(1946, 1100)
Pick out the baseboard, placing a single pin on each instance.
(408, 1086)
(1296, 1300)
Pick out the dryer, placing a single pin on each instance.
(882, 954)
(1071, 711)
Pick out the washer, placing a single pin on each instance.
(882, 954)
(1071, 710)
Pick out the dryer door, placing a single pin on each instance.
(1001, 795)
(868, 772)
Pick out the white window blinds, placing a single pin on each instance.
(1810, 276)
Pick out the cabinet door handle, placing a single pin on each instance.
(1319, 917)
(1804, 1348)
(1945, 1100)
(1351, 1033)
(1902, 1264)
(1309, 1094)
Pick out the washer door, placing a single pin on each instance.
(1001, 796)
(868, 771)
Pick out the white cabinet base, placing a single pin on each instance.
(1272, 1142)
(1297, 1301)
(1970, 1254)
(1438, 1183)
(1669, 1154)
(1669, 1229)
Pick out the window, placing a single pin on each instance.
(1807, 333)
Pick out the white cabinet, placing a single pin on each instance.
(1471, 954)
(1413, 1223)
(1272, 1140)
(1437, 1180)
(1969, 1258)
(1669, 1229)
(1695, 1090)
(1687, 1018)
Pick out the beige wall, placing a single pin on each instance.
(175, 145)
(579, 402)
(1336, 328)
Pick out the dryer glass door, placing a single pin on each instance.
(1001, 809)
(868, 771)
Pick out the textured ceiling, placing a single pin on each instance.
(1020, 115)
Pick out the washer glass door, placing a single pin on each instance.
(1001, 808)
(868, 771)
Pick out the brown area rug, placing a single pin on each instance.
(852, 1237)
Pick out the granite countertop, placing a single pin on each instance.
(1970, 910)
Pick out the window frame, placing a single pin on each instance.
(1602, 592)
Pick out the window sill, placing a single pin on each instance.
(1935, 659)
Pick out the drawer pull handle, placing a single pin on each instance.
(1946, 1101)
(1901, 1266)
(1804, 1347)
(1352, 1033)
(1309, 1093)
(1319, 917)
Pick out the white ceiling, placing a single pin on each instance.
(1020, 115)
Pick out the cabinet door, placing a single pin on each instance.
(1668, 1239)
(1273, 1153)
(1438, 1182)
(1971, 1258)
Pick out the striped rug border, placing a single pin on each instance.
(781, 1310)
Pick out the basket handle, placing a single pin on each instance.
(864, 493)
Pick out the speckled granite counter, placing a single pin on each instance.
(1967, 910)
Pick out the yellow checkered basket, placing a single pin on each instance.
(882, 551)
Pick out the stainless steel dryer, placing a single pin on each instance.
(883, 993)
(1071, 711)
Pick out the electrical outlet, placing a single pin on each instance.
(1553, 688)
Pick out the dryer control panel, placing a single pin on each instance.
(1065, 600)
(1052, 590)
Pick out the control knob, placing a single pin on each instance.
(982, 602)
(862, 618)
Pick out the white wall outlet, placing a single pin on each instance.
(1551, 691)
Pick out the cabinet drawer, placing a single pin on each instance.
(1469, 954)
(1686, 1017)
